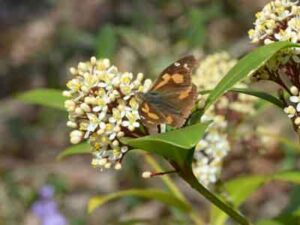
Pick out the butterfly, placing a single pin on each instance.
(171, 97)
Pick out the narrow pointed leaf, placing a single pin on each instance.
(154, 194)
(259, 94)
(287, 176)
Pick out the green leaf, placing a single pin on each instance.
(259, 94)
(262, 95)
(249, 63)
(44, 97)
(106, 42)
(239, 190)
(83, 148)
(288, 176)
(174, 145)
(155, 194)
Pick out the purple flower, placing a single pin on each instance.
(42, 208)
(46, 192)
(55, 219)
(46, 210)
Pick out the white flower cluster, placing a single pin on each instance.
(211, 150)
(279, 20)
(214, 146)
(103, 107)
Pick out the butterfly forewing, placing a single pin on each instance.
(172, 97)
(177, 75)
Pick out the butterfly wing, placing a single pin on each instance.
(175, 76)
(172, 96)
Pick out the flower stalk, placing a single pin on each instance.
(187, 175)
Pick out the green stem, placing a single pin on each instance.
(189, 177)
(173, 188)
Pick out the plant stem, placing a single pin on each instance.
(189, 177)
(173, 188)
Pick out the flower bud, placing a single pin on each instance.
(146, 174)
(70, 105)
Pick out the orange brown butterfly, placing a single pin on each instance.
(172, 96)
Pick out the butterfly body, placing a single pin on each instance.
(172, 96)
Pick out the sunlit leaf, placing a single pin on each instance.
(154, 194)
(250, 63)
(44, 97)
(83, 148)
(288, 176)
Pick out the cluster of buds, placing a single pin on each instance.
(280, 21)
(103, 107)
(214, 146)
(293, 107)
